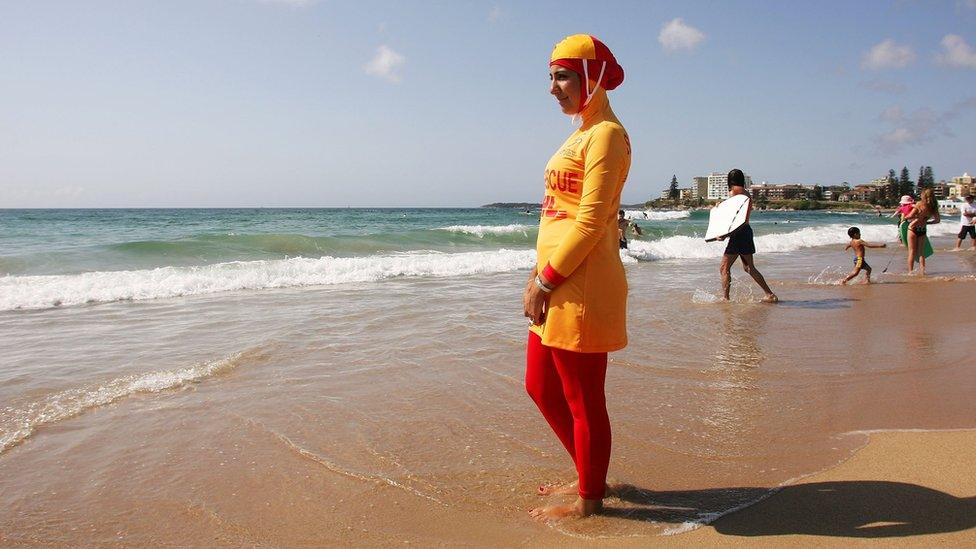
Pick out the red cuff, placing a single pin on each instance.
(551, 276)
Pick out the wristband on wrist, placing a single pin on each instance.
(542, 285)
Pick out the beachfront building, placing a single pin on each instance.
(718, 185)
(699, 187)
(961, 186)
(949, 206)
(964, 179)
(788, 191)
(687, 194)
(940, 190)
(834, 192)
(860, 193)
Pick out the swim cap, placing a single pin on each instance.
(573, 50)
(591, 59)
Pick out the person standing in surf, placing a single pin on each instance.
(967, 215)
(624, 225)
(925, 213)
(576, 296)
(741, 244)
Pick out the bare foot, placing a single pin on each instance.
(571, 489)
(770, 298)
(578, 509)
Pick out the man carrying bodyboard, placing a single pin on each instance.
(730, 219)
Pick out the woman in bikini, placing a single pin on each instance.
(925, 213)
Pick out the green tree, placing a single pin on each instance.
(817, 192)
(929, 177)
(762, 200)
(673, 192)
(922, 183)
(905, 185)
(890, 189)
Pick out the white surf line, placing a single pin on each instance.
(506, 377)
(74, 402)
(375, 479)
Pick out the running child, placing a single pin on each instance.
(859, 262)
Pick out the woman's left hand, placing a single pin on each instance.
(534, 302)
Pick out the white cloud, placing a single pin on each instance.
(957, 52)
(892, 114)
(676, 35)
(919, 127)
(888, 55)
(385, 64)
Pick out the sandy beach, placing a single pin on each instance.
(904, 489)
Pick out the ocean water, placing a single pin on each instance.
(51, 258)
(241, 372)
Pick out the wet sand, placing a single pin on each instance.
(904, 489)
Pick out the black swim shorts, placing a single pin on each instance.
(967, 229)
(740, 242)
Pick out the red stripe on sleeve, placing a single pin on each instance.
(551, 276)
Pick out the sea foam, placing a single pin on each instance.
(482, 230)
(656, 215)
(16, 425)
(688, 247)
(39, 292)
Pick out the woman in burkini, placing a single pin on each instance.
(925, 213)
(576, 296)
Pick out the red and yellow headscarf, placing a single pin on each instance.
(592, 60)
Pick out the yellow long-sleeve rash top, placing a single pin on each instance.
(587, 311)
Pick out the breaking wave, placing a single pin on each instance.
(40, 292)
(17, 425)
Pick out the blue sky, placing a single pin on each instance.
(231, 103)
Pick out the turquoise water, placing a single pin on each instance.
(52, 258)
(47, 242)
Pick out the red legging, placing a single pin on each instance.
(568, 389)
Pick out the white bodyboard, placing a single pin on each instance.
(728, 216)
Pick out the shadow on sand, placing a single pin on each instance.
(856, 509)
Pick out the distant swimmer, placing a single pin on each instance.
(741, 244)
(579, 271)
(623, 225)
(859, 263)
